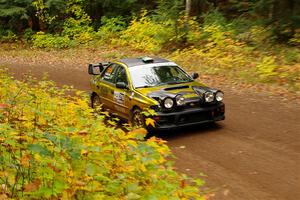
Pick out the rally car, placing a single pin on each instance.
(130, 86)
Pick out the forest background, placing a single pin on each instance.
(254, 41)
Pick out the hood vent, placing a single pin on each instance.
(176, 88)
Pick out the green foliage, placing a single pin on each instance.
(267, 68)
(53, 146)
(78, 30)
(296, 39)
(27, 35)
(42, 12)
(146, 34)
(238, 37)
(42, 40)
(257, 36)
(111, 27)
(214, 17)
(14, 8)
(7, 36)
(169, 10)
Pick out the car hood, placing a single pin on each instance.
(192, 91)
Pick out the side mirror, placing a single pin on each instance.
(121, 85)
(95, 69)
(195, 75)
(92, 70)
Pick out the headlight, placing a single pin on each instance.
(180, 100)
(209, 97)
(219, 96)
(168, 103)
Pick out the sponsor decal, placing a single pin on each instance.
(119, 97)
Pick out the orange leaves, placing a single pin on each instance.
(33, 186)
(3, 197)
(137, 133)
(62, 149)
(25, 160)
(82, 133)
(2, 105)
(183, 183)
(158, 140)
(84, 152)
(55, 169)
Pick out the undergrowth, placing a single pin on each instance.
(239, 49)
(52, 146)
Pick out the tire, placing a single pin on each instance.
(138, 120)
(95, 102)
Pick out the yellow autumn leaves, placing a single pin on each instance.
(53, 146)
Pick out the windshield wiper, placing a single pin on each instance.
(143, 86)
(147, 86)
(164, 83)
(176, 82)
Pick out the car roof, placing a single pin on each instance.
(131, 62)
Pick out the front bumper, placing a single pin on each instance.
(189, 117)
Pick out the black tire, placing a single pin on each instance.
(138, 119)
(95, 102)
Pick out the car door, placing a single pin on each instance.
(121, 97)
(106, 86)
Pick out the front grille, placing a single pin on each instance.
(196, 104)
(195, 117)
(192, 117)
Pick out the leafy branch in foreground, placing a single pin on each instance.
(52, 146)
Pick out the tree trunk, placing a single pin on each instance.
(188, 8)
(292, 14)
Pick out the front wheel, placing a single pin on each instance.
(95, 102)
(138, 120)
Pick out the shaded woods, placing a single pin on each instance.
(252, 40)
(50, 15)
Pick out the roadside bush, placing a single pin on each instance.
(42, 40)
(257, 36)
(7, 36)
(78, 31)
(146, 34)
(296, 39)
(27, 35)
(110, 28)
(52, 146)
(236, 63)
(267, 68)
(214, 17)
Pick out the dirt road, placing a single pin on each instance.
(253, 155)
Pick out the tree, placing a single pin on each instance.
(15, 14)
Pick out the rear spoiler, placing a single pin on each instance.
(96, 69)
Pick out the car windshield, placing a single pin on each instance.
(154, 75)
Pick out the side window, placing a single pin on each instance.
(121, 75)
(109, 73)
(176, 72)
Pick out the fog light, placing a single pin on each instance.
(209, 97)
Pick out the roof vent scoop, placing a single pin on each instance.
(147, 59)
